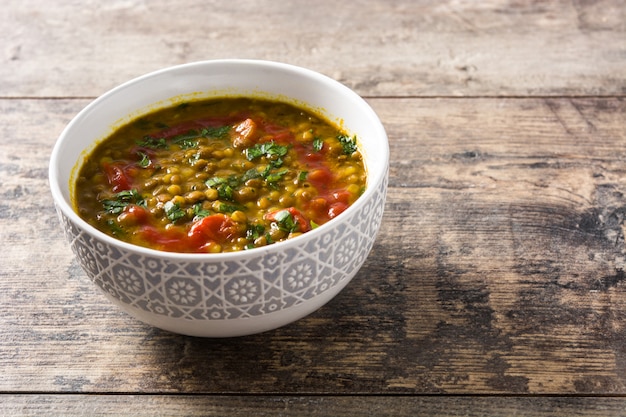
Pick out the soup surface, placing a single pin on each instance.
(220, 175)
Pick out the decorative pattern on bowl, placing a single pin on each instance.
(243, 288)
(228, 294)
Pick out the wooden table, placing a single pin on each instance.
(497, 283)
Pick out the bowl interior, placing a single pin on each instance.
(210, 79)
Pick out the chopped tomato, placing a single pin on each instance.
(171, 240)
(336, 209)
(277, 133)
(244, 134)
(207, 231)
(329, 206)
(118, 176)
(342, 196)
(320, 177)
(215, 228)
(220, 175)
(133, 215)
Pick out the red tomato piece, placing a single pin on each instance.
(342, 196)
(245, 133)
(336, 209)
(118, 177)
(320, 177)
(171, 240)
(133, 215)
(216, 228)
(279, 134)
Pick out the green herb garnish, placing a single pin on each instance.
(122, 199)
(199, 212)
(173, 211)
(228, 208)
(224, 186)
(215, 181)
(348, 144)
(285, 221)
(254, 231)
(250, 174)
(270, 150)
(318, 144)
(215, 132)
(152, 142)
(145, 161)
(225, 192)
(188, 140)
(274, 177)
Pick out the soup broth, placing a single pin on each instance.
(219, 175)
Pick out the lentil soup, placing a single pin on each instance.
(219, 175)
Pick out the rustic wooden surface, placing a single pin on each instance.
(497, 283)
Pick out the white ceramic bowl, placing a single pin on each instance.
(230, 294)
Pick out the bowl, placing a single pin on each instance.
(237, 293)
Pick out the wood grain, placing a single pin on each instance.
(499, 269)
(496, 285)
(379, 48)
(70, 405)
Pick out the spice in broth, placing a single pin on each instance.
(219, 175)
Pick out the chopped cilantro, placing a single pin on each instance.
(173, 211)
(232, 181)
(215, 132)
(348, 144)
(270, 150)
(224, 186)
(225, 192)
(215, 181)
(228, 208)
(318, 144)
(250, 174)
(255, 231)
(285, 221)
(122, 199)
(114, 206)
(152, 142)
(188, 140)
(199, 212)
(274, 177)
(145, 161)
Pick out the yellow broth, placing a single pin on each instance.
(219, 175)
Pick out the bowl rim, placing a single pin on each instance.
(67, 210)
